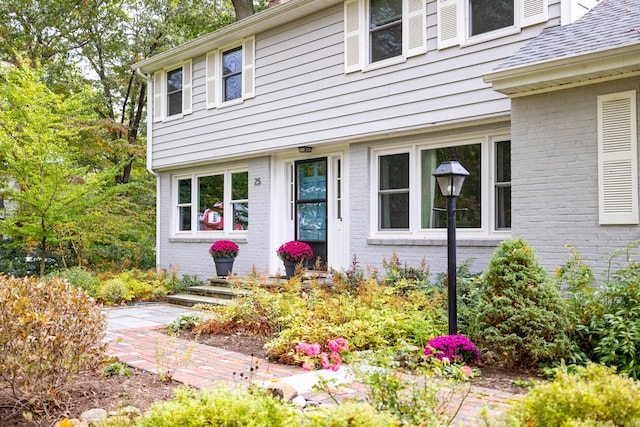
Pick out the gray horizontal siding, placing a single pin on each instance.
(304, 97)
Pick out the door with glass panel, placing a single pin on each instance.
(311, 206)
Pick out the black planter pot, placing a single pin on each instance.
(224, 266)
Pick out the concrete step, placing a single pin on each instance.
(217, 291)
(189, 300)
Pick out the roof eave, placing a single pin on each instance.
(254, 24)
(566, 72)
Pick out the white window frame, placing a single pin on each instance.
(487, 198)
(454, 25)
(228, 230)
(356, 33)
(214, 82)
(160, 92)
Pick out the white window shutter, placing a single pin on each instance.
(158, 96)
(416, 28)
(533, 12)
(187, 85)
(248, 68)
(450, 18)
(212, 79)
(618, 158)
(353, 21)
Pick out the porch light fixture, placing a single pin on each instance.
(450, 176)
(305, 149)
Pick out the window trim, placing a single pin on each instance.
(487, 198)
(227, 203)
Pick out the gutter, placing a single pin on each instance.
(145, 77)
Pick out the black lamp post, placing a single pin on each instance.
(450, 176)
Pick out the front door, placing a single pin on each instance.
(311, 206)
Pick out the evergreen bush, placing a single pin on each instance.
(519, 313)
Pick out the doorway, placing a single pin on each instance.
(311, 207)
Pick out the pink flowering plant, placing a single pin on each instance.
(312, 356)
(295, 251)
(456, 348)
(224, 249)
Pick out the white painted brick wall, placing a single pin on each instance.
(555, 182)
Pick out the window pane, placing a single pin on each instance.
(232, 74)
(394, 211)
(503, 184)
(211, 202)
(174, 92)
(394, 191)
(312, 221)
(184, 218)
(240, 186)
(489, 15)
(470, 158)
(385, 27)
(241, 216)
(503, 207)
(312, 180)
(174, 80)
(184, 191)
(174, 104)
(394, 171)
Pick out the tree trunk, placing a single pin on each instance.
(243, 8)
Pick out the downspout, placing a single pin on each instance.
(140, 74)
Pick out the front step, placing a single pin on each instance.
(191, 300)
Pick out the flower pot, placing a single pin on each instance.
(224, 266)
(290, 268)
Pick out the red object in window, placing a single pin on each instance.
(213, 218)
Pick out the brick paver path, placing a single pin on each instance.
(201, 365)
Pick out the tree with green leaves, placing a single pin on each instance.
(41, 134)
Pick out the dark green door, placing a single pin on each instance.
(311, 206)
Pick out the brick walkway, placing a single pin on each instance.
(201, 366)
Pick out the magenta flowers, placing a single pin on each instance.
(295, 251)
(224, 249)
(311, 354)
(456, 348)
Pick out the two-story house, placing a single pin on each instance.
(323, 121)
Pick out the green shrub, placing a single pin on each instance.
(79, 277)
(606, 318)
(185, 322)
(113, 291)
(594, 395)
(403, 278)
(349, 415)
(49, 333)
(219, 406)
(519, 314)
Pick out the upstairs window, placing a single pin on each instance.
(472, 21)
(385, 29)
(231, 74)
(174, 92)
(383, 32)
(490, 15)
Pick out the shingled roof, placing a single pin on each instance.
(602, 45)
(612, 23)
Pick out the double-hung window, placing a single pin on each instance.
(409, 199)
(470, 21)
(172, 92)
(379, 32)
(230, 74)
(212, 202)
